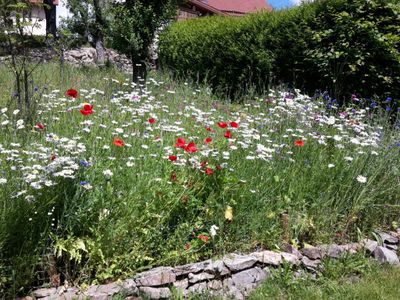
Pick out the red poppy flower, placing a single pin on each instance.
(219, 168)
(203, 163)
(222, 124)
(209, 171)
(152, 120)
(72, 93)
(299, 143)
(39, 125)
(191, 147)
(173, 177)
(234, 124)
(87, 110)
(187, 246)
(118, 142)
(172, 157)
(208, 140)
(228, 134)
(181, 143)
(53, 157)
(209, 129)
(204, 238)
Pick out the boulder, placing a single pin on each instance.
(236, 262)
(247, 280)
(310, 264)
(268, 257)
(156, 277)
(193, 278)
(388, 238)
(369, 245)
(155, 293)
(312, 252)
(385, 255)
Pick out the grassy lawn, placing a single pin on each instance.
(363, 280)
(165, 173)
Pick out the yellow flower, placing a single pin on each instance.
(229, 213)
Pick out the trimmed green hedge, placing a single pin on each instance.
(339, 45)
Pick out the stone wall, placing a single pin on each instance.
(232, 276)
(85, 56)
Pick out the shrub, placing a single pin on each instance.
(338, 45)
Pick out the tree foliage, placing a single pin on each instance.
(133, 27)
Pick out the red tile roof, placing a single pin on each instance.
(55, 2)
(202, 5)
(239, 6)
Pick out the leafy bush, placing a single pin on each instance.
(343, 46)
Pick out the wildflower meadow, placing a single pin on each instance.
(113, 178)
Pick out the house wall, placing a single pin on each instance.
(186, 13)
(37, 21)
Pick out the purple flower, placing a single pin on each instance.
(84, 163)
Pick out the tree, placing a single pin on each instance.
(90, 23)
(133, 26)
(50, 12)
(15, 41)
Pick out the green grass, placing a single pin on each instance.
(57, 201)
(376, 282)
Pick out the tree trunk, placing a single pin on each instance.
(100, 49)
(50, 13)
(139, 71)
(99, 36)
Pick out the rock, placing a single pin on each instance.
(312, 252)
(247, 280)
(369, 245)
(311, 264)
(193, 278)
(129, 287)
(155, 293)
(268, 257)
(291, 249)
(198, 288)
(214, 285)
(156, 277)
(181, 284)
(41, 293)
(352, 248)
(100, 292)
(192, 268)
(388, 238)
(291, 258)
(335, 251)
(385, 255)
(391, 247)
(231, 290)
(218, 268)
(236, 262)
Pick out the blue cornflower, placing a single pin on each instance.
(388, 108)
(389, 99)
(374, 104)
(84, 163)
(83, 182)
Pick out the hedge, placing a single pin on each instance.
(341, 46)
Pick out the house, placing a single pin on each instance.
(43, 18)
(199, 8)
(240, 7)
